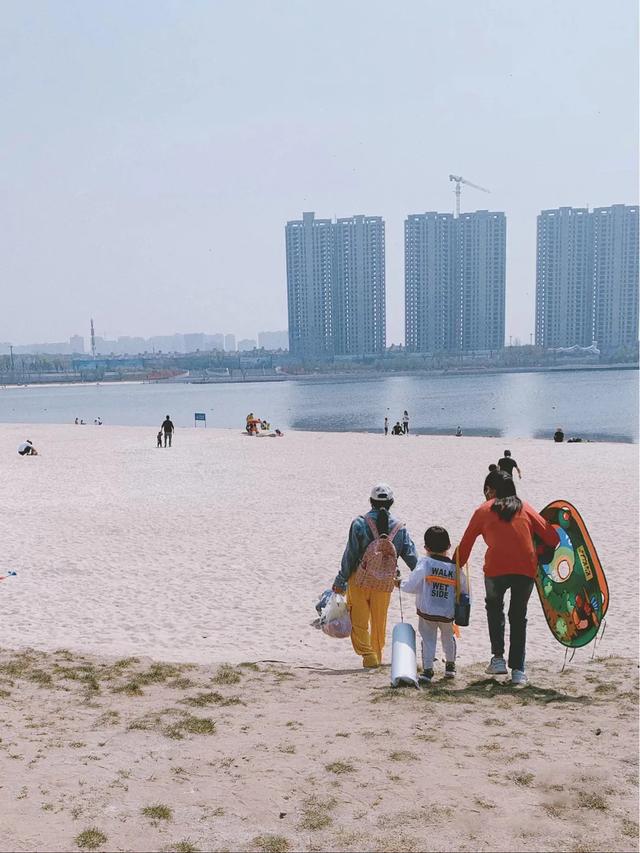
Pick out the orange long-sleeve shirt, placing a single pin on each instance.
(510, 548)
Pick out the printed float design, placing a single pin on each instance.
(572, 587)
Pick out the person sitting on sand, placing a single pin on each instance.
(367, 599)
(397, 429)
(558, 435)
(27, 448)
(507, 525)
(434, 585)
(508, 464)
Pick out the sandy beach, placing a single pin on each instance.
(217, 549)
(158, 652)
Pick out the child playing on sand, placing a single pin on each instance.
(433, 582)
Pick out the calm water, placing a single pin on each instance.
(596, 405)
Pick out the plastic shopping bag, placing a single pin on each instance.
(335, 608)
(334, 619)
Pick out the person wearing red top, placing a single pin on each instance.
(507, 525)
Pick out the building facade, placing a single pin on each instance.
(615, 276)
(564, 281)
(358, 303)
(309, 250)
(587, 277)
(455, 278)
(336, 286)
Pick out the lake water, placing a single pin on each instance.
(591, 404)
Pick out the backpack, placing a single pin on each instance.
(377, 569)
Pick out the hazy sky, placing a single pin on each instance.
(151, 151)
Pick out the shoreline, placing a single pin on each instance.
(364, 375)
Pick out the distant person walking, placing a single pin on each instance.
(27, 449)
(386, 426)
(558, 435)
(405, 422)
(458, 431)
(167, 429)
(508, 464)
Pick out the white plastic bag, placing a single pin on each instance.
(335, 608)
(334, 619)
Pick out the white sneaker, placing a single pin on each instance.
(497, 666)
(519, 678)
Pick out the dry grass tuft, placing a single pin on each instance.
(226, 674)
(158, 812)
(316, 813)
(271, 843)
(339, 767)
(90, 839)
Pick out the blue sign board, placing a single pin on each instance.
(200, 416)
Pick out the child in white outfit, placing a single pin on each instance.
(433, 581)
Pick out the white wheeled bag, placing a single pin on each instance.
(404, 667)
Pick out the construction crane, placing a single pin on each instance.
(460, 180)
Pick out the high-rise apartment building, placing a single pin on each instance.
(358, 302)
(229, 343)
(455, 273)
(587, 277)
(431, 305)
(564, 279)
(480, 264)
(336, 286)
(309, 249)
(615, 276)
(76, 344)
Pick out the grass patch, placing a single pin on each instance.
(201, 700)
(403, 755)
(158, 673)
(316, 813)
(184, 846)
(4, 694)
(629, 827)
(226, 674)
(158, 812)
(484, 804)
(592, 800)
(343, 734)
(271, 843)
(41, 677)
(249, 665)
(287, 749)
(339, 767)
(523, 779)
(90, 839)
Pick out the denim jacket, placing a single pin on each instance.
(359, 538)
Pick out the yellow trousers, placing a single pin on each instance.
(368, 609)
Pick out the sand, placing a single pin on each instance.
(138, 756)
(210, 555)
(218, 548)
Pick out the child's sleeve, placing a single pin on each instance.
(412, 583)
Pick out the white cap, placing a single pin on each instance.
(381, 492)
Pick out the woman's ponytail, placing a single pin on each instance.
(507, 503)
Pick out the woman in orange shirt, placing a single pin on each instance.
(507, 525)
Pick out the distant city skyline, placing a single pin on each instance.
(134, 344)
